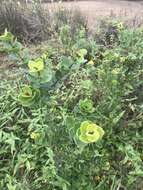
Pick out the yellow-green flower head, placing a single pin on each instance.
(86, 106)
(122, 59)
(90, 132)
(114, 82)
(7, 36)
(91, 62)
(120, 26)
(116, 71)
(34, 135)
(36, 66)
(28, 95)
(82, 52)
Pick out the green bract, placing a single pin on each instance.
(89, 132)
(86, 106)
(28, 96)
(39, 71)
(36, 66)
(6, 37)
(120, 26)
(81, 53)
(7, 42)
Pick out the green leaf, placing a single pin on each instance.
(117, 119)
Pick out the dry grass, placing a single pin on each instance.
(37, 22)
(97, 9)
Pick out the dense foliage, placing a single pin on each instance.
(74, 119)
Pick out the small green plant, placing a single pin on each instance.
(11, 46)
(8, 43)
(28, 96)
(36, 66)
(86, 106)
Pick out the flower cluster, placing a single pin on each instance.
(28, 95)
(86, 106)
(89, 132)
(7, 36)
(36, 66)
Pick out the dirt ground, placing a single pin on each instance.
(103, 8)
